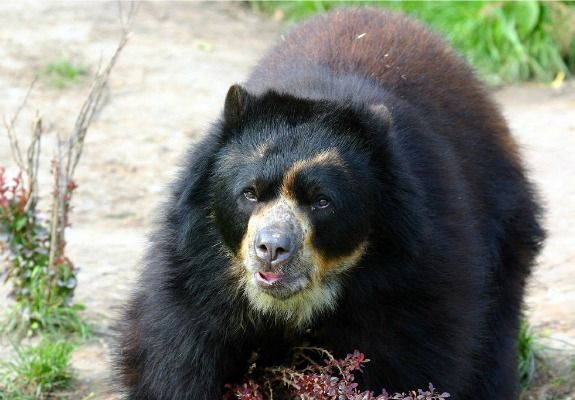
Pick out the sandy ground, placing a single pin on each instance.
(169, 84)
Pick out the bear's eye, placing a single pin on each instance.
(321, 202)
(250, 194)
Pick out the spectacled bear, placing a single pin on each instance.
(360, 191)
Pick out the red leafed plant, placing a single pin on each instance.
(43, 278)
(308, 379)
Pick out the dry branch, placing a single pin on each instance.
(63, 176)
(33, 161)
(90, 105)
(32, 164)
(10, 130)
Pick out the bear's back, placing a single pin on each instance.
(388, 47)
(396, 53)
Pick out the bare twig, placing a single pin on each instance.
(67, 160)
(57, 212)
(127, 16)
(10, 130)
(90, 106)
(33, 162)
(319, 350)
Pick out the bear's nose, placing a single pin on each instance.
(274, 246)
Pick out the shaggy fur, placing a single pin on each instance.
(431, 214)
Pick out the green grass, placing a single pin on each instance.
(505, 41)
(528, 354)
(543, 366)
(37, 372)
(63, 73)
(45, 318)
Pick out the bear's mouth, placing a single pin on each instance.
(268, 278)
(280, 285)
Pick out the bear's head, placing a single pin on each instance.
(295, 187)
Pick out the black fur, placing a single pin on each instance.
(439, 193)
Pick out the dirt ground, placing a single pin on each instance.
(168, 85)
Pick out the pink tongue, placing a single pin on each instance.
(269, 277)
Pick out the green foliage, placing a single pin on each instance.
(296, 10)
(528, 354)
(63, 73)
(45, 317)
(37, 372)
(43, 295)
(505, 41)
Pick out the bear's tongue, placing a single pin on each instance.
(268, 277)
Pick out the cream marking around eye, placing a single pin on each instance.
(327, 157)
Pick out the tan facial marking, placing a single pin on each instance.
(326, 157)
(328, 264)
(324, 283)
(323, 263)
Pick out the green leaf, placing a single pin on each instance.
(20, 223)
(526, 14)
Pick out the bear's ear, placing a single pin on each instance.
(374, 122)
(235, 106)
(382, 116)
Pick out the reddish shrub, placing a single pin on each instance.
(307, 379)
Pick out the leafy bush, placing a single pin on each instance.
(43, 295)
(505, 41)
(309, 379)
(43, 279)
